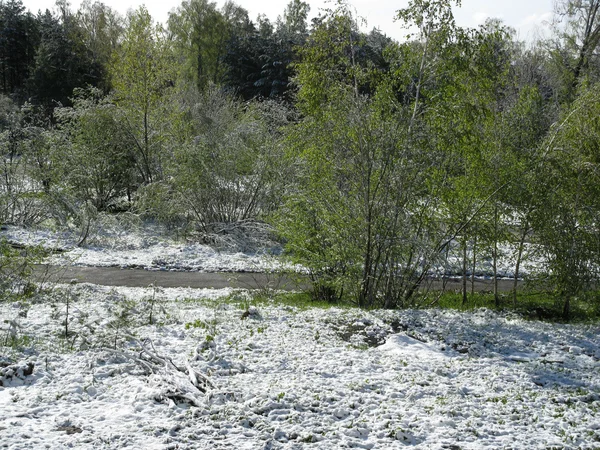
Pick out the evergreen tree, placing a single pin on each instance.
(62, 62)
(19, 38)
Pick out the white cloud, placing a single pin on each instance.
(479, 17)
(524, 15)
(536, 19)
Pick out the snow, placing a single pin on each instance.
(142, 247)
(282, 377)
(291, 378)
(151, 248)
(532, 262)
(405, 346)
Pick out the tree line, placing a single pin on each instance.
(376, 163)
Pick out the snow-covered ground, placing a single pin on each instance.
(289, 378)
(142, 247)
(153, 249)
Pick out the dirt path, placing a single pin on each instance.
(115, 276)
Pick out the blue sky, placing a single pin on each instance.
(526, 16)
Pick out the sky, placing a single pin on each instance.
(528, 17)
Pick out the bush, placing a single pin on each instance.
(226, 177)
(16, 269)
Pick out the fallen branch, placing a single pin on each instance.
(182, 383)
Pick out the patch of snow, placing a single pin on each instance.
(286, 378)
(408, 347)
(150, 248)
(144, 247)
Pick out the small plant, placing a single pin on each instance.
(64, 310)
(12, 332)
(68, 299)
(123, 318)
(211, 327)
(16, 267)
(116, 327)
(198, 323)
(151, 303)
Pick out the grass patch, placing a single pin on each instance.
(531, 305)
(454, 300)
(538, 305)
(300, 300)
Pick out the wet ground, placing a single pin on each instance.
(116, 276)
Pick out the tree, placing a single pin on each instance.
(227, 176)
(230, 173)
(437, 28)
(522, 129)
(295, 16)
(62, 62)
(567, 197)
(359, 219)
(362, 216)
(452, 79)
(100, 29)
(333, 48)
(96, 163)
(581, 36)
(201, 35)
(260, 62)
(491, 80)
(19, 38)
(143, 74)
(19, 202)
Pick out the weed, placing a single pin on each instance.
(503, 400)
(150, 303)
(16, 269)
(198, 323)
(13, 338)
(301, 300)
(123, 317)
(532, 305)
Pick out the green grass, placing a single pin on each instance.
(246, 298)
(533, 305)
(300, 300)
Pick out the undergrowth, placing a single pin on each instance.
(541, 305)
(535, 305)
(300, 300)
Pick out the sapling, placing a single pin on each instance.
(67, 304)
(150, 303)
(67, 298)
(11, 331)
(122, 320)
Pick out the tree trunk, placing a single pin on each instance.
(495, 258)
(518, 263)
(474, 264)
(567, 308)
(464, 273)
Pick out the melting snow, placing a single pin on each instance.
(150, 248)
(283, 378)
(288, 378)
(409, 347)
(145, 248)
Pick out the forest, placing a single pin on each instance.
(375, 163)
